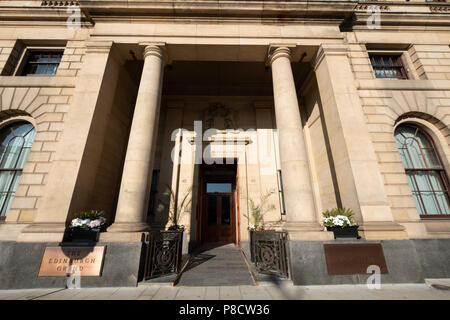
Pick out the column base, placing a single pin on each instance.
(307, 231)
(43, 232)
(382, 230)
(302, 226)
(123, 236)
(45, 227)
(129, 227)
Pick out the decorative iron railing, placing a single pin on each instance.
(270, 253)
(164, 253)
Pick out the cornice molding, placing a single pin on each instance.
(98, 46)
(60, 3)
(440, 8)
(351, 13)
(366, 6)
(206, 8)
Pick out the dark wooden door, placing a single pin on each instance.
(219, 218)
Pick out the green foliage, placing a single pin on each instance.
(91, 214)
(175, 207)
(259, 209)
(338, 212)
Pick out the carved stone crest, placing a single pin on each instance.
(219, 117)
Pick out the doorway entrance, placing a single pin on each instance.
(218, 218)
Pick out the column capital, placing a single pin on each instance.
(279, 50)
(334, 49)
(157, 49)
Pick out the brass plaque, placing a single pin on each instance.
(63, 261)
(354, 258)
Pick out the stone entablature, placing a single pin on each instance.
(355, 12)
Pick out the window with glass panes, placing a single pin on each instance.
(41, 62)
(388, 66)
(15, 144)
(424, 169)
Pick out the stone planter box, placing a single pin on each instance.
(84, 235)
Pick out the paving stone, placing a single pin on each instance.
(277, 293)
(36, 293)
(92, 293)
(166, 293)
(64, 294)
(212, 293)
(23, 294)
(103, 294)
(14, 294)
(230, 293)
(127, 293)
(254, 293)
(284, 292)
(149, 292)
(191, 293)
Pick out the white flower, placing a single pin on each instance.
(96, 223)
(76, 222)
(339, 220)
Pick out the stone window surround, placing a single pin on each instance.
(71, 60)
(12, 119)
(405, 59)
(21, 63)
(441, 146)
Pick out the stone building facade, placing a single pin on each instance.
(302, 99)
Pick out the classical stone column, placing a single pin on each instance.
(358, 175)
(137, 172)
(297, 188)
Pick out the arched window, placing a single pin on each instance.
(424, 169)
(16, 140)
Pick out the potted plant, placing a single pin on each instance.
(257, 212)
(87, 226)
(175, 208)
(340, 221)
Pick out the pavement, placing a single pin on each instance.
(433, 289)
(216, 265)
(207, 277)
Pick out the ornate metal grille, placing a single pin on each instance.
(270, 253)
(164, 253)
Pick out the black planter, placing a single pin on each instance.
(252, 242)
(84, 235)
(346, 232)
(269, 252)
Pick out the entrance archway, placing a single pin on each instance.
(218, 203)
